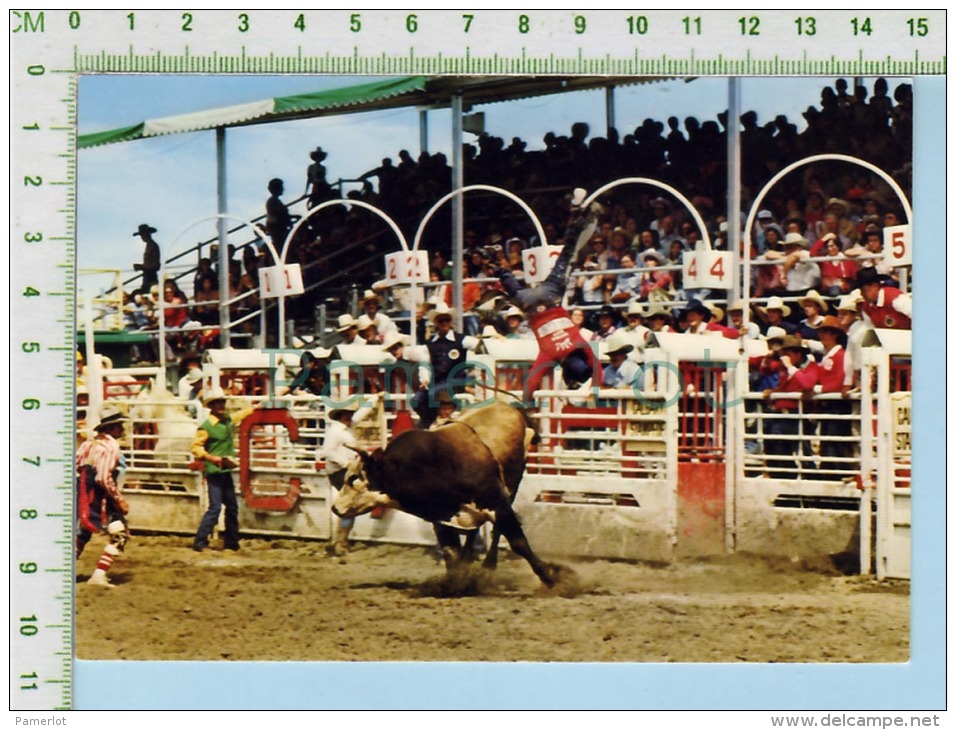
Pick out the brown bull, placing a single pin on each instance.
(476, 460)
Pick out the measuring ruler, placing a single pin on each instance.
(51, 48)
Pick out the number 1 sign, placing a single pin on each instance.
(275, 281)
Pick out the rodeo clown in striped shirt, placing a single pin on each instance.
(99, 505)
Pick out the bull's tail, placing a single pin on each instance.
(531, 425)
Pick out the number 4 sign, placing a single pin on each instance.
(275, 281)
(898, 245)
(406, 267)
(538, 262)
(707, 270)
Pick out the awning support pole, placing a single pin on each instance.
(609, 109)
(423, 130)
(734, 246)
(224, 338)
(457, 209)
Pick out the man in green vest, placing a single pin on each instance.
(214, 447)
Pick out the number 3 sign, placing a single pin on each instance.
(275, 281)
(538, 262)
(406, 267)
(898, 245)
(707, 270)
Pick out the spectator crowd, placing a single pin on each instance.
(818, 231)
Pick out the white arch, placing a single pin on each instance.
(223, 277)
(460, 191)
(312, 211)
(342, 201)
(819, 158)
(751, 217)
(705, 236)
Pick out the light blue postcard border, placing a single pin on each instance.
(917, 685)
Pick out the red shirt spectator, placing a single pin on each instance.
(800, 374)
(886, 307)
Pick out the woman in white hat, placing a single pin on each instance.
(515, 324)
(621, 372)
(348, 330)
(735, 318)
(99, 464)
(371, 304)
(798, 274)
(400, 370)
(848, 313)
(368, 330)
(814, 307)
(634, 331)
(655, 285)
(774, 314)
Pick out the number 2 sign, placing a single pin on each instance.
(406, 267)
(898, 245)
(708, 270)
(538, 262)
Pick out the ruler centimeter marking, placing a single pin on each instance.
(49, 48)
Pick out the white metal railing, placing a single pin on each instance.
(815, 438)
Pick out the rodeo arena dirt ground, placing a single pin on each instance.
(394, 603)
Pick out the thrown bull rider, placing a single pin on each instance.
(559, 339)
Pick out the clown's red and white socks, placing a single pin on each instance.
(103, 565)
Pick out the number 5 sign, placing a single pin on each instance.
(898, 245)
(406, 267)
(538, 262)
(275, 281)
(707, 270)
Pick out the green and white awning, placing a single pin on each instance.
(407, 91)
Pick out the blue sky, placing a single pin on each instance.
(169, 182)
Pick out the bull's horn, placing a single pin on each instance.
(361, 452)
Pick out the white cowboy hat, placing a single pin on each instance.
(716, 312)
(795, 239)
(364, 322)
(634, 308)
(776, 333)
(334, 413)
(656, 310)
(512, 311)
(617, 344)
(346, 322)
(489, 332)
(850, 302)
(214, 393)
(778, 304)
(110, 416)
(653, 253)
(368, 295)
(442, 310)
(814, 296)
(392, 339)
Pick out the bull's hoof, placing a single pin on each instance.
(560, 580)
